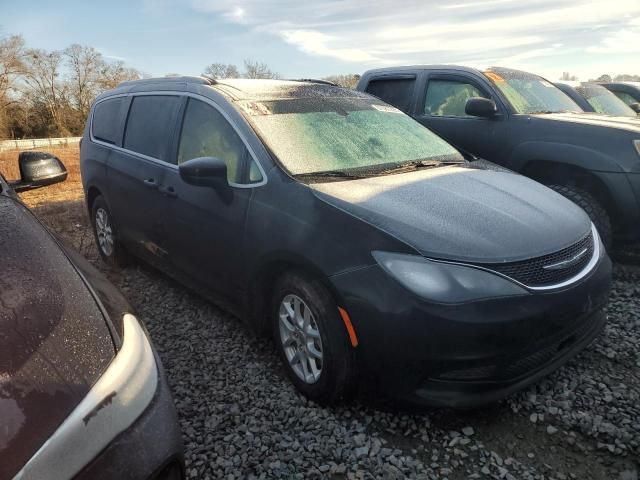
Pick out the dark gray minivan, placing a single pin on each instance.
(376, 255)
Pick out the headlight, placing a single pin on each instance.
(445, 282)
(636, 143)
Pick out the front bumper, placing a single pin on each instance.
(151, 448)
(467, 354)
(129, 407)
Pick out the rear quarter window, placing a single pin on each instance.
(108, 116)
(395, 91)
(150, 124)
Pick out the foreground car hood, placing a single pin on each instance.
(54, 341)
(463, 213)
(622, 123)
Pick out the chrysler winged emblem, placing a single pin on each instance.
(566, 263)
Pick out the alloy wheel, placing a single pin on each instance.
(300, 338)
(104, 231)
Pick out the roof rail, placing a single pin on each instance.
(314, 80)
(184, 79)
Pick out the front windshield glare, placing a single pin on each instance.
(529, 93)
(605, 102)
(356, 136)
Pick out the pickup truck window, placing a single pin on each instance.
(605, 102)
(343, 136)
(625, 97)
(448, 98)
(395, 91)
(529, 94)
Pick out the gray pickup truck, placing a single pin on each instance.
(523, 122)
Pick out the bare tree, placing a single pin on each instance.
(604, 78)
(11, 67)
(44, 86)
(349, 80)
(84, 66)
(116, 72)
(221, 70)
(253, 69)
(625, 77)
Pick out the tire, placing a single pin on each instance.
(110, 248)
(592, 207)
(334, 380)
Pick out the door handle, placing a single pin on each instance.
(150, 183)
(168, 191)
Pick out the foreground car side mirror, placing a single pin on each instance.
(204, 172)
(481, 107)
(39, 169)
(635, 107)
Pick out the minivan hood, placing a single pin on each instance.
(54, 340)
(463, 213)
(621, 123)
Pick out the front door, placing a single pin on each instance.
(443, 111)
(205, 224)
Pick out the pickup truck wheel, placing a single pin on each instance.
(311, 339)
(109, 247)
(592, 207)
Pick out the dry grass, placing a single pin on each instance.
(60, 206)
(69, 190)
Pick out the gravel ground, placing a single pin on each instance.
(241, 418)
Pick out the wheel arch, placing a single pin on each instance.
(571, 175)
(265, 277)
(93, 192)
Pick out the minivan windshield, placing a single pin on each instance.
(603, 101)
(343, 137)
(529, 94)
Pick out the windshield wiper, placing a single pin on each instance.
(416, 164)
(550, 111)
(328, 173)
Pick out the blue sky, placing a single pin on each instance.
(314, 38)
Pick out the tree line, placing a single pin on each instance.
(48, 93)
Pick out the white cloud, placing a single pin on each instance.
(625, 41)
(474, 4)
(510, 32)
(317, 43)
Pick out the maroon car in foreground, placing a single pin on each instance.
(82, 391)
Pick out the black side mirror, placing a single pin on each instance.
(204, 172)
(635, 107)
(481, 107)
(39, 169)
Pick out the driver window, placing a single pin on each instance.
(448, 98)
(206, 133)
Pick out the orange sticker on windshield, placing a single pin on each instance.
(494, 76)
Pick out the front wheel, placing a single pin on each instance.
(311, 339)
(592, 207)
(104, 231)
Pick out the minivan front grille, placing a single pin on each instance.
(551, 269)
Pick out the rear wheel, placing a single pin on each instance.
(311, 339)
(109, 247)
(592, 207)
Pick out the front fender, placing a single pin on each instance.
(562, 153)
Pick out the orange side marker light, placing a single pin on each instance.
(347, 323)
